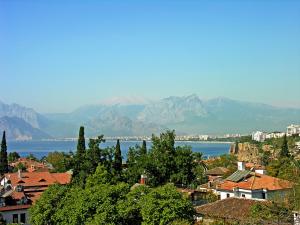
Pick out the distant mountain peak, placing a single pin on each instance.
(125, 100)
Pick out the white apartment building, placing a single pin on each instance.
(259, 136)
(292, 130)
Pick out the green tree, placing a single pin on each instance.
(164, 205)
(101, 176)
(60, 161)
(44, 209)
(118, 158)
(3, 156)
(185, 164)
(144, 148)
(13, 156)
(81, 143)
(32, 157)
(162, 156)
(284, 148)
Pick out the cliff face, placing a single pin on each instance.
(246, 152)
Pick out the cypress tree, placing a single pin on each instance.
(81, 143)
(118, 157)
(284, 148)
(144, 148)
(3, 155)
(236, 147)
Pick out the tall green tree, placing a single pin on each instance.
(13, 156)
(81, 143)
(284, 148)
(118, 158)
(144, 148)
(3, 156)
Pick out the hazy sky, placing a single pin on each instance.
(57, 55)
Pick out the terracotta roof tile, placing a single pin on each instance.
(38, 178)
(255, 182)
(229, 208)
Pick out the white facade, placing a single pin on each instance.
(297, 144)
(275, 135)
(241, 165)
(297, 218)
(259, 136)
(293, 129)
(243, 193)
(16, 216)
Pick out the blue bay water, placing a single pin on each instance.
(42, 148)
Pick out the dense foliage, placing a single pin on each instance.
(3, 155)
(102, 202)
(104, 191)
(13, 156)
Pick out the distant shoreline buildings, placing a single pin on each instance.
(261, 136)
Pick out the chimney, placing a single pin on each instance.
(241, 165)
(19, 174)
(143, 179)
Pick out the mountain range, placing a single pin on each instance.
(187, 115)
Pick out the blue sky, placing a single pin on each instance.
(58, 55)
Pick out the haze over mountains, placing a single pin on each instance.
(187, 115)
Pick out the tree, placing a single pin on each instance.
(60, 161)
(144, 148)
(101, 176)
(13, 156)
(118, 158)
(284, 148)
(81, 143)
(44, 209)
(32, 157)
(3, 156)
(162, 155)
(185, 164)
(164, 205)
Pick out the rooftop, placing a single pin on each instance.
(253, 181)
(38, 178)
(229, 208)
(218, 171)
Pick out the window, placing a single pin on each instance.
(243, 196)
(227, 195)
(15, 218)
(263, 195)
(23, 218)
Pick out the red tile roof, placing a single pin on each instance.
(229, 208)
(33, 196)
(38, 178)
(17, 195)
(255, 182)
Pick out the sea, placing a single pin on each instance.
(41, 148)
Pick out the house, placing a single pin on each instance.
(259, 136)
(228, 210)
(252, 185)
(292, 130)
(297, 145)
(232, 211)
(18, 191)
(32, 165)
(211, 186)
(217, 172)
